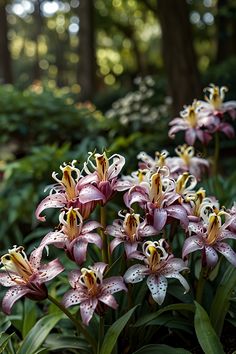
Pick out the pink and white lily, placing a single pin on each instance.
(77, 192)
(158, 266)
(130, 232)
(193, 123)
(74, 235)
(210, 239)
(91, 291)
(159, 199)
(25, 277)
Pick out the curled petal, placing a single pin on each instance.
(73, 297)
(99, 267)
(92, 238)
(114, 243)
(227, 252)
(87, 309)
(80, 251)
(115, 168)
(175, 265)
(90, 193)
(179, 213)
(158, 286)
(181, 279)
(109, 300)
(113, 285)
(90, 226)
(227, 234)
(130, 248)
(115, 231)
(73, 277)
(211, 256)
(50, 271)
(190, 136)
(136, 273)
(57, 200)
(11, 296)
(192, 244)
(147, 230)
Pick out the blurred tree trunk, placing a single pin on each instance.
(87, 62)
(178, 52)
(37, 31)
(226, 30)
(5, 57)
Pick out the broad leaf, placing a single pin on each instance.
(58, 341)
(38, 334)
(161, 349)
(220, 304)
(30, 316)
(175, 307)
(207, 337)
(114, 331)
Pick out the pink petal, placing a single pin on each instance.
(87, 309)
(73, 297)
(109, 300)
(181, 279)
(91, 178)
(190, 136)
(175, 265)
(113, 285)
(158, 286)
(135, 274)
(73, 277)
(115, 231)
(114, 243)
(160, 217)
(225, 234)
(11, 296)
(57, 200)
(115, 168)
(211, 256)
(130, 248)
(179, 213)
(227, 252)
(6, 280)
(90, 193)
(92, 238)
(50, 271)
(90, 226)
(147, 230)
(80, 251)
(191, 244)
(99, 267)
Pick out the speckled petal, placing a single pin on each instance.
(57, 200)
(136, 273)
(227, 252)
(11, 296)
(73, 297)
(192, 244)
(90, 193)
(87, 309)
(109, 300)
(211, 256)
(160, 217)
(181, 279)
(158, 286)
(50, 271)
(6, 280)
(113, 285)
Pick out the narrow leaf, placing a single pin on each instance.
(30, 316)
(4, 341)
(58, 341)
(175, 307)
(38, 334)
(161, 349)
(114, 331)
(206, 335)
(221, 301)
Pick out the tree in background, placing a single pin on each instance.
(5, 57)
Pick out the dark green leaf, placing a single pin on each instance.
(220, 304)
(4, 338)
(114, 331)
(58, 341)
(38, 334)
(29, 316)
(206, 335)
(176, 307)
(160, 349)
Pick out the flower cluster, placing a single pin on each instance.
(202, 119)
(161, 199)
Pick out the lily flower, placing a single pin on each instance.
(194, 125)
(130, 232)
(74, 235)
(159, 266)
(210, 239)
(105, 175)
(159, 199)
(91, 291)
(25, 277)
(71, 191)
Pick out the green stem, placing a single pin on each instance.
(216, 154)
(80, 327)
(105, 244)
(201, 284)
(101, 333)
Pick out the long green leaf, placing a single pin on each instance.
(58, 341)
(206, 335)
(114, 331)
(30, 316)
(175, 307)
(161, 349)
(4, 338)
(221, 301)
(38, 334)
